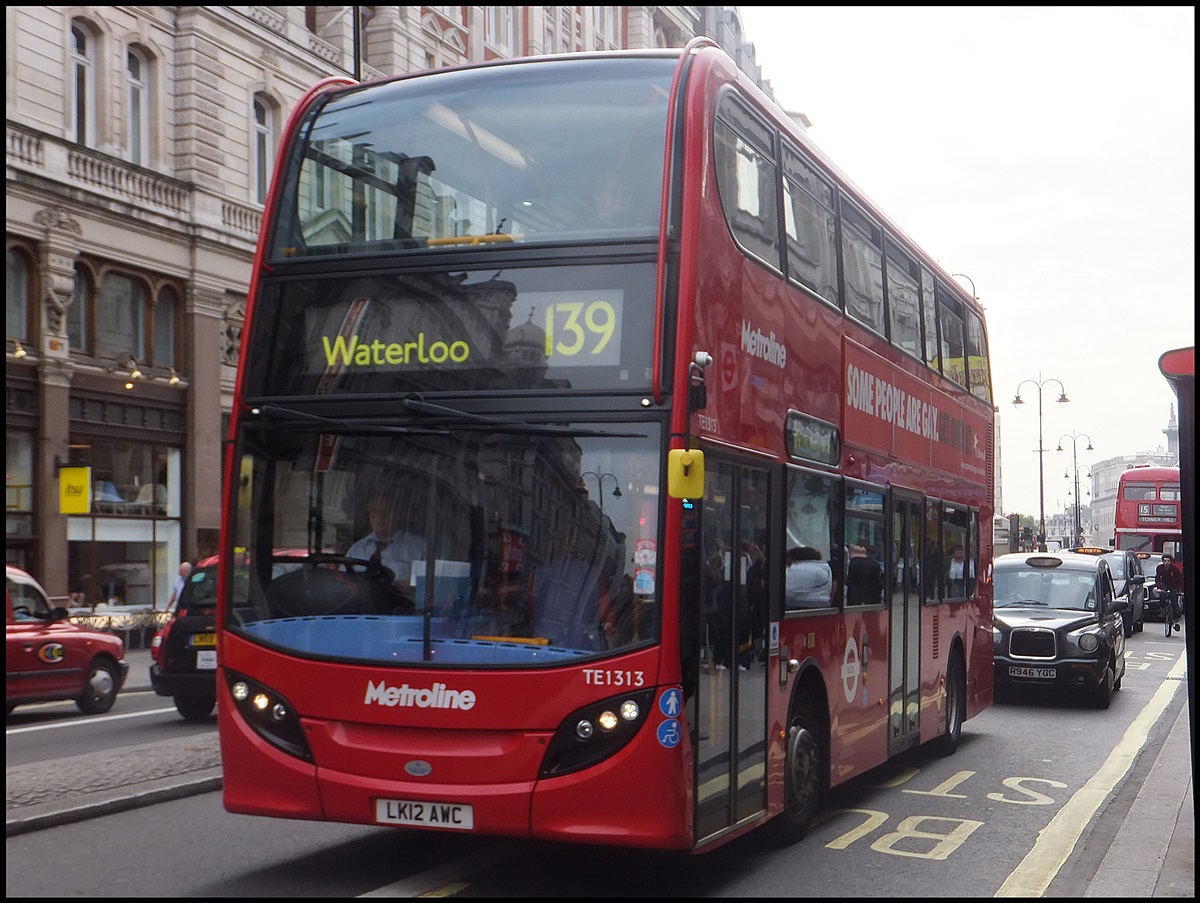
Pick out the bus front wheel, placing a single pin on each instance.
(956, 707)
(803, 768)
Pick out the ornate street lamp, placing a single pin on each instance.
(1075, 437)
(1062, 399)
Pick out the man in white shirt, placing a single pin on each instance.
(386, 544)
(959, 568)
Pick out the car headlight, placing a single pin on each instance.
(997, 636)
(1089, 642)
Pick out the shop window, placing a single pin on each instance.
(18, 487)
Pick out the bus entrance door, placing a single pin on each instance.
(904, 628)
(732, 689)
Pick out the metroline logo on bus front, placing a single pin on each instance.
(436, 697)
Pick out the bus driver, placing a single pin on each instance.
(387, 544)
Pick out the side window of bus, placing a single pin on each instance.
(813, 564)
(978, 370)
(957, 551)
(809, 221)
(862, 268)
(865, 541)
(929, 319)
(904, 300)
(932, 560)
(953, 361)
(747, 181)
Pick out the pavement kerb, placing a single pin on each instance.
(36, 818)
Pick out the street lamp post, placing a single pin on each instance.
(974, 294)
(1075, 437)
(1062, 399)
(600, 487)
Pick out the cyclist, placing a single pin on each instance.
(1169, 580)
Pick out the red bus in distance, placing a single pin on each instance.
(642, 465)
(1148, 516)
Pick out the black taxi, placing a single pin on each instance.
(1058, 624)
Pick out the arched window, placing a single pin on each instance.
(16, 307)
(137, 81)
(121, 318)
(79, 332)
(83, 85)
(165, 316)
(263, 147)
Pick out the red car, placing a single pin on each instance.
(47, 658)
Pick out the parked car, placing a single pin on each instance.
(46, 657)
(1058, 624)
(183, 651)
(1129, 581)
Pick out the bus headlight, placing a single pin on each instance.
(595, 732)
(269, 715)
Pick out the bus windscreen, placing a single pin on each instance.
(551, 151)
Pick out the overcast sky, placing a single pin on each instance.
(1049, 155)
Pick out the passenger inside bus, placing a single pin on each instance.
(808, 580)
(618, 204)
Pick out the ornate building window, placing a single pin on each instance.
(263, 130)
(137, 137)
(17, 306)
(83, 85)
(165, 319)
(121, 317)
(79, 332)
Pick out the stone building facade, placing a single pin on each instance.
(140, 141)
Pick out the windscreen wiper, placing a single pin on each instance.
(519, 427)
(279, 414)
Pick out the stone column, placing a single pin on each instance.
(203, 456)
(56, 269)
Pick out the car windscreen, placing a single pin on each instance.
(1056, 588)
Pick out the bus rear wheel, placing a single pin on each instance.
(803, 767)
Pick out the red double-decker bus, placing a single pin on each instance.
(1148, 516)
(639, 463)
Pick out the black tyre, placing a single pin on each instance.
(1102, 697)
(195, 708)
(804, 768)
(1127, 625)
(956, 708)
(100, 690)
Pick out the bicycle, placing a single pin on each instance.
(1173, 611)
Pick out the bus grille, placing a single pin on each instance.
(1032, 642)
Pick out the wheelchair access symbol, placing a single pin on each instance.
(670, 704)
(669, 733)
